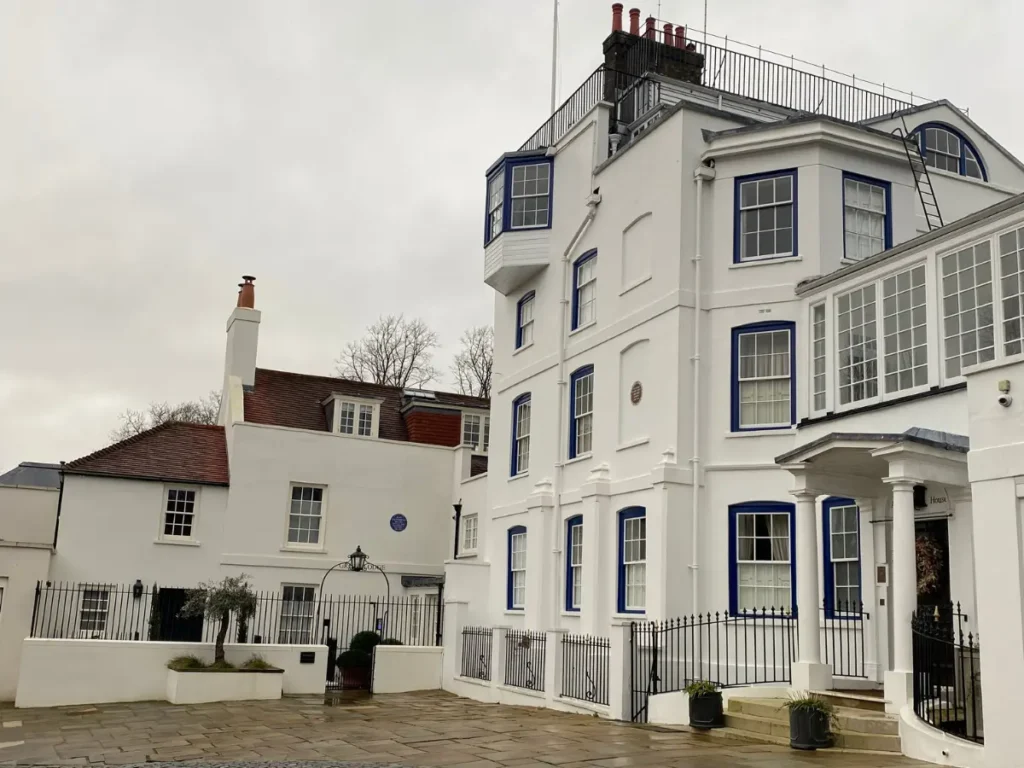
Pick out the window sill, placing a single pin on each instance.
(573, 614)
(304, 550)
(578, 459)
(635, 284)
(522, 349)
(177, 542)
(522, 691)
(762, 262)
(515, 611)
(578, 329)
(776, 431)
(519, 476)
(628, 615)
(472, 681)
(467, 554)
(633, 444)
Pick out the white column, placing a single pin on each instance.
(903, 572)
(808, 673)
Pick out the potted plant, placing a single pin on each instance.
(811, 722)
(355, 669)
(705, 704)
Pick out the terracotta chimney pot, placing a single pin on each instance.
(247, 292)
(680, 37)
(634, 21)
(649, 32)
(668, 35)
(616, 17)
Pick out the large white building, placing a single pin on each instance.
(686, 419)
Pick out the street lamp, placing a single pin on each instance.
(357, 562)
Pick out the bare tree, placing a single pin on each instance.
(394, 351)
(205, 410)
(472, 365)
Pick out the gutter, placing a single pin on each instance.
(60, 503)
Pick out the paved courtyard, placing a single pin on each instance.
(425, 729)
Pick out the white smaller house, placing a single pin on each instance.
(300, 472)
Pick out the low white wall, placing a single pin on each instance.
(402, 668)
(66, 672)
(669, 708)
(922, 742)
(204, 687)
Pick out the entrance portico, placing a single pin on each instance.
(880, 471)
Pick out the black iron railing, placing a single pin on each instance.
(755, 647)
(842, 638)
(525, 653)
(476, 652)
(293, 616)
(947, 673)
(585, 661)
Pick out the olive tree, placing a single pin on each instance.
(217, 601)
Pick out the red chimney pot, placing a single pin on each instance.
(616, 17)
(634, 21)
(649, 32)
(668, 35)
(680, 37)
(247, 292)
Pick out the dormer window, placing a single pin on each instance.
(476, 431)
(354, 416)
(945, 148)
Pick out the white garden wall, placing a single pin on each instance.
(403, 668)
(65, 672)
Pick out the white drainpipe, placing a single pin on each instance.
(701, 174)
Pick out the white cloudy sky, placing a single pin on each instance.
(153, 151)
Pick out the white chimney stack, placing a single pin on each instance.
(243, 335)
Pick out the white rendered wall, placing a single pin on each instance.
(403, 668)
(64, 672)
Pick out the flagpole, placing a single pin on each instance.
(554, 57)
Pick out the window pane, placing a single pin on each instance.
(967, 306)
(766, 217)
(856, 353)
(764, 379)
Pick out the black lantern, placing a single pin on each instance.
(357, 560)
(137, 589)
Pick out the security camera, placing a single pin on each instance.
(1005, 400)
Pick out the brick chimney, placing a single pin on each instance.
(650, 49)
(243, 335)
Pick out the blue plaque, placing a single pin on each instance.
(398, 522)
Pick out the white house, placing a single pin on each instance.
(686, 419)
(300, 471)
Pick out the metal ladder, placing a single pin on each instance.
(922, 180)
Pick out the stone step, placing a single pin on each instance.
(772, 731)
(852, 700)
(850, 720)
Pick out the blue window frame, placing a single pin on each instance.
(574, 563)
(632, 581)
(519, 195)
(765, 216)
(524, 320)
(581, 411)
(763, 376)
(867, 216)
(946, 148)
(521, 408)
(516, 575)
(762, 566)
(584, 290)
(841, 550)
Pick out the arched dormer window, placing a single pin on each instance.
(946, 148)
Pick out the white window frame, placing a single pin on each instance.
(861, 321)
(522, 441)
(833, 560)
(102, 598)
(944, 295)
(757, 182)
(1002, 289)
(521, 169)
(583, 421)
(358, 405)
(819, 354)
(495, 204)
(575, 555)
(588, 287)
(483, 430)
(307, 546)
(304, 636)
(517, 575)
(773, 376)
(182, 488)
(755, 563)
(853, 190)
(470, 534)
(634, 569)
(892, 344)
(524, 321)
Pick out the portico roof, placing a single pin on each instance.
(933, 438)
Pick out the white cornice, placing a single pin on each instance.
(783, 136)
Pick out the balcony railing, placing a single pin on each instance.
(737, 68)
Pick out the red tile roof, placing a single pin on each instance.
(189, 453)
(286, 399)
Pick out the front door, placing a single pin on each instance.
(933, 592)
(170, 626)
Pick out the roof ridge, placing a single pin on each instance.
(106, 451)
(390, 387)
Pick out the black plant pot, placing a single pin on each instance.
(809, 729)
(706, 711)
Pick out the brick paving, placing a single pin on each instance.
(407, 730)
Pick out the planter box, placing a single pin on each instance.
(206, 687)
